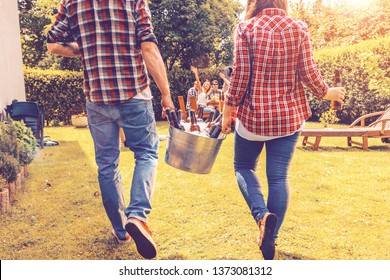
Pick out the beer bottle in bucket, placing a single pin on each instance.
(194, 124)
(215, 130)
(169, 117)
(188, 115)
(215, 127)
(175, 121)
(210, 119)
(335, 105)
(180, 115)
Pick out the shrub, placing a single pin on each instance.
(60, 92)
(358, 78)
(27, 140)
(329, 117)
(9, 144)
(9, 167)
(17, 146)
(17, 141)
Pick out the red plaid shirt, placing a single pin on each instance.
(109, 33)
(280, 50)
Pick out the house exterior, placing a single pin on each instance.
(11, 64)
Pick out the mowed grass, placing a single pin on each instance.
(339, 206)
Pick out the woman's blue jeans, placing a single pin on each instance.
(279, 152)
(136, 117)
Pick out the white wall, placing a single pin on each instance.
(11, 70)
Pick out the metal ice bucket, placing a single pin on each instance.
(191, 153)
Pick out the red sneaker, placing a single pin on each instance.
(142, 237)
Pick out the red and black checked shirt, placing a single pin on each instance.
(280, 49)
(109, 33)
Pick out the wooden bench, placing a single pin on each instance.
(377, 129)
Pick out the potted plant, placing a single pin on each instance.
(79, 120)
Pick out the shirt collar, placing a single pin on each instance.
(272, 12)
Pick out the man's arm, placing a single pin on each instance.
(68, 50)
(58, 39)
(156, 68)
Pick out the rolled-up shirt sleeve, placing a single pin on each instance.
(60, 31)
(241, 69)
(144, 27)
(309, 74)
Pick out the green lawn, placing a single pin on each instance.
(339, 206)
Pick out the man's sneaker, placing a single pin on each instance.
(121, 241)
(266, 239)
(141, 235)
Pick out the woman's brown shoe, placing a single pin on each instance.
(266, 239)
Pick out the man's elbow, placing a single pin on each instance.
(149, 47)
(51, 48)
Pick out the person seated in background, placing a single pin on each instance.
(215, 93)
(194, 91)
(200, 93)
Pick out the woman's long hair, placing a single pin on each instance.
(207, 91)
(253, 7)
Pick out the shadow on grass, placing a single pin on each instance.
(287, 256)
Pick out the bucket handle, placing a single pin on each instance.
(224, 136)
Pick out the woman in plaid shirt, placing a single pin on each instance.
(273, 53)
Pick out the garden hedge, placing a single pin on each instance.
(61, 94)
(362, 66)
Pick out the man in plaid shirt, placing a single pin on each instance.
(118, 48)
(273, 55)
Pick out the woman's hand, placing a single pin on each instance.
(335, 94)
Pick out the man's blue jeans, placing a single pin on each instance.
(279, 152)
(136, 117)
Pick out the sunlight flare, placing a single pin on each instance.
(359, 3)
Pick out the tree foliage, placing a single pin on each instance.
(336, 23)
(195, 31)
(188, 31)
(32, 24)
(339, 23)
(35, 17)
(199, 31)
